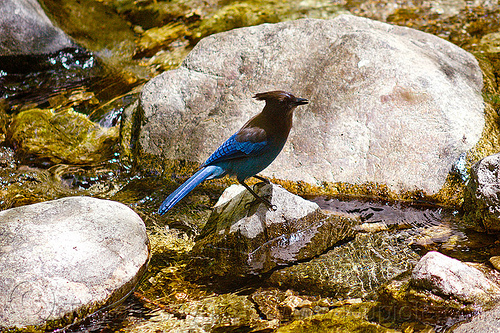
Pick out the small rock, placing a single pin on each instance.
(495, 261)
(62, 260)
(452, 278)
(483, 199)
(242, 236)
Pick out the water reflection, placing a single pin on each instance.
(430, 227)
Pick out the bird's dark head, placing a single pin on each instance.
(281, 100)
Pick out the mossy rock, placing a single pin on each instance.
(60, 137)
(349, 318)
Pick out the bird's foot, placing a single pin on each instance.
(269, 205)
(265, 180)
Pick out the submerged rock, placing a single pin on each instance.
(64, 136)
(242, 236)
(388, 105)
(486, 322)
(483, 199)
(26, 30)
(62, 260)
(220, 313)
(354, 269)
(452, 278)
(348, 318)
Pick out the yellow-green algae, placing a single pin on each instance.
(62, 136)
(348, 319)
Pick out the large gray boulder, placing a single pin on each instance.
(388, 104)
(25, 29)
(61, 260)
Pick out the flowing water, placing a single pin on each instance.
(74, 78)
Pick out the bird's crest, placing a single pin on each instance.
(277, 95)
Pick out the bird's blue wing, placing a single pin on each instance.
(233, 148)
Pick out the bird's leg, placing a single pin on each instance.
(261, 199)
(265, 180)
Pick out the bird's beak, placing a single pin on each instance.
(301, 101)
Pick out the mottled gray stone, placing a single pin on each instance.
(484, 193)
(486, 322)
(450, 277)
(388, 104)
(61, 260)
(242, 236)
(25, 29)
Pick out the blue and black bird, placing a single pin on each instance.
(248, 151)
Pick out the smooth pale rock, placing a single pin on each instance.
(452, 278)
(388, 104)
(484, 193)
(25, 29)
(61, 260)
(243, 237)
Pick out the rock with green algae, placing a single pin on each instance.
(482, 196)
(242, 236)
(61, 137)
(354, 269)
(221, 313)
(348, 318)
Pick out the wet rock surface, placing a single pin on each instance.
(242, 236)
(339, 65)
(62, 260)
(486, 322)
(25, 30)
(451, 278)
(483, 194)
(63, 136)
(439, 291)
(354, 269)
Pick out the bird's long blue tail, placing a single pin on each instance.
(188, 186)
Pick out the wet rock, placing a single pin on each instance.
(105, 33)
(486, 322)
(243, 237)
(63, 136)
(450, 277)
(354, 269)
(483, 200)
(440, 291)
(491, 43)
(401, 123)
(400, 301)
(495, 261)
(64, 259)
(26, 30)
(221, 313)
(348, 318)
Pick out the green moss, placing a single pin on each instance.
(61, 137)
